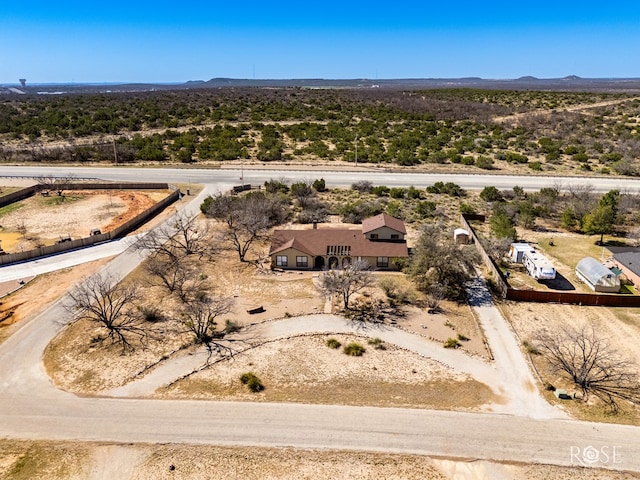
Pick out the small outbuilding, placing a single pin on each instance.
(597, 276)
(461, 236)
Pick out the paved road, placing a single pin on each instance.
(52, 263)
(30, 407)
(225, 178)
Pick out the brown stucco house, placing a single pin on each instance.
(379, 241)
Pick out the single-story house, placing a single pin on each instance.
(379, 241)
(628, 261)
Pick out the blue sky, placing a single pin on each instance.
(144, 41)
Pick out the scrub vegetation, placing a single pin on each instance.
(475, 129)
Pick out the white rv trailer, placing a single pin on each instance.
(538, 266)
(517, 250)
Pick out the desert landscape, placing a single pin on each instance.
(292, 367)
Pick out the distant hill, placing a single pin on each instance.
(571, 82)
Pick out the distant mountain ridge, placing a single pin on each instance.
(571, 82)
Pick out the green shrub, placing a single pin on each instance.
(397, 192)
(535, 166)
(333, 343)
(354, 349)
(484, 162)
(319, 185)
(252, 382)
(380, 190)
(463, 338)
(377, 343)
(413, 192)
(467, 209)
(451, 343)
(530, 348)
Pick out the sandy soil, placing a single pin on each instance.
(75, 461)
(619, 327)
(41, 220)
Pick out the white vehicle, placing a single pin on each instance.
(538, 266)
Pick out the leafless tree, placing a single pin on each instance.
(199, 315)
(181, 237)
(6, 153)
(435, 296)
(247, 218)
(634, 236)
(345, 282)
(57, 184)
(590, 362)
(582, 199)
(102, 300)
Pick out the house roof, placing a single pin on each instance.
(383, 220)
(316, 242)
(629, 259)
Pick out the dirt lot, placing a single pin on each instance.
(40, 220)
(620, 327)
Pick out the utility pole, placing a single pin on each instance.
(356, 164)
(115, 150)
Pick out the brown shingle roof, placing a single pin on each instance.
(383, 220)
(315, 242)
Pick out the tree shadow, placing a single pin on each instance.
(478, 294)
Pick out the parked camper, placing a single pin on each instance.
(517, 250)
(538, 266)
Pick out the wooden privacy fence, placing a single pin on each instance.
(118, 232)
(509, 293)
(601, 299)
(501, 283)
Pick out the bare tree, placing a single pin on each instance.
(634, 236)
(100, 299)
(199, 315)
(183, 236)
(581, 199)
(591, 364)
(57, 184)
(167, 271)
(345, 282)
(247, 218)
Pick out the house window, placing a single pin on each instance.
(373, 236)
(382, 262)
(302, 261)
(282, 261)
(395, 236)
